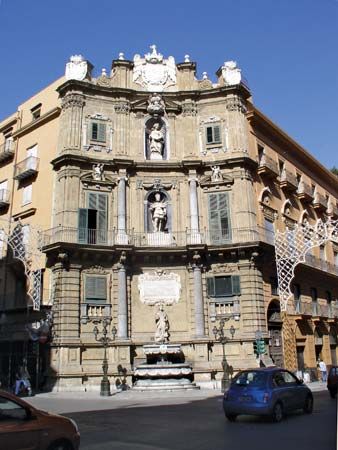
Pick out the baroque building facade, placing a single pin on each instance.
(160, 191)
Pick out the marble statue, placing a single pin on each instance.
(76, 68)
(156, 142)
(231, 73)
(162, 326)
(158, 209)
(155, 104)
(98, 172)
(216, 173)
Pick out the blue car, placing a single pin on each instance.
(269, 391)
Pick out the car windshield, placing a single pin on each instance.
(250, 378)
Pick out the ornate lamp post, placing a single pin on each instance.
(105, 340)
(220, 337)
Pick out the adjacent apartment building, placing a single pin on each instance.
(153, 189)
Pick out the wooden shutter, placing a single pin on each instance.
(211, 286)
(217, 134)
(99, 202)
(93, 131)
(224, 218)
(96, 289)
(83, 226)
(209, 135)
(236, 284)
(219, 217)
(101, 134)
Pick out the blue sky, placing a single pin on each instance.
(287, 50)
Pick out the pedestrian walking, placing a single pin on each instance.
(323, 370)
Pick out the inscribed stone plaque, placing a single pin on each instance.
(159, 288)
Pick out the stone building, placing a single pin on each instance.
(158, 189)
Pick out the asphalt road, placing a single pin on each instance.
(201, 425)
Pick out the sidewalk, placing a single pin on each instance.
(67, 402)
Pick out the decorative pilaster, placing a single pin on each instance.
(122, 117)
(71, 122)
(198, 296)
(194, 225)
(121, 201)
(122, 313)
(237, 124)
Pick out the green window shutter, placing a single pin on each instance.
(209, 135)
(217, 134)
(236, 284)
(101, 135)
(92, 200)
(83, 226)
(211, 286)
(223, 286)
(219, 217)
(94, 131)
(102, 217)
(224, 215)
(95, 289)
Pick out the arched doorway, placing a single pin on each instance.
(275, 333)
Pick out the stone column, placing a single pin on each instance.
(194, 225)
(237, 124)
(198, 296)
(122, 313)
(121, 201)
(71, 122)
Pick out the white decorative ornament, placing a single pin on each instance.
(159, 288)
(153, 72)
(76, 68)
(231, 73)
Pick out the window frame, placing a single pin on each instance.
(95, 300)
(212, 127)
(99, 133)
(235, 286)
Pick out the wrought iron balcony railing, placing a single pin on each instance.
(6, 150)
(27, 168)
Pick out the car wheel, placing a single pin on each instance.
(277, 412)
(231, 417)
(308, 405)
(61, 445)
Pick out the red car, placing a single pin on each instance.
(23, 427)
(332, 381)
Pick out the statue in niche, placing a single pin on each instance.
(162, 326)
(98, 172)
(156, 141)
(216, 173)
(158, 209)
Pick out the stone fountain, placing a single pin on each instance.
(164, 368)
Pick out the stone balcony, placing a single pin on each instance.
(304, 192)
(235, 236)
(6, 150)
(94, 312)
(26, 168)
(320, 264)
(320, 202)
(268, 167)
(332, 210)
(288, 181)
(5, 195)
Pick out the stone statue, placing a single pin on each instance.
(216, 173)
(156, 142)
(162, 326)
(98, 172)
(155, 104)
(231, 73)
(158, 209)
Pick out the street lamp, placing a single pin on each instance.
(105, 340)
(220, 337)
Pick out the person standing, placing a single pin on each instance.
(323, 370)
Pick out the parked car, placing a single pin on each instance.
(267, 391)
(332, 381)
(24, 427)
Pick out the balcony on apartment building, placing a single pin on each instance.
(94, 311)
(320, 202)
(315, 310)
(288, 181)
(4, 198)
(304, 192)
(6, 150)
(268, 167)
(235, 236)
(320, 264)
(27, 168)
(332, 210)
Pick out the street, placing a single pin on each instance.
(197, 423)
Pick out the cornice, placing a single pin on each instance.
(8, 124)
(38, 122)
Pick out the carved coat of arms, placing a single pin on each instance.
(153, 71)
(231, 73)
(76, 68)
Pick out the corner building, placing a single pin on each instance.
(167, 190)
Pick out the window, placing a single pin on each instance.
(10, 411)
(36, 111)
(98, 131)
(95, 289)
(250, 378)
(93, 220)
(298, 178)
(284, 378)
(297, 294)
(314, 297)
(8, 143)
(260, 149)
(219, 218)
(313, 189)
(3, 191)
(27, 195)
(274, 286)
(269, 231)
(31, 155)
(213, 134)
(223, 286)
(329, 303)
(335, 258)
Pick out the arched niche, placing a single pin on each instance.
(157, 203)
(156, 139)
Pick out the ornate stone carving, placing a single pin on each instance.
(223, 268)
(189, 108)
(162, 326)
(76, 68)
(158, 210)
(156, 104)
(98, 173)
(235, 103)
(159, 288)
(216, 174)
(205, 83)
(153, 72)
(122, 108)
(103, 80)
(231, 73)
(156, 141)
(72, 100)
(96, 269)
